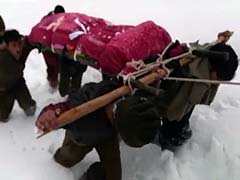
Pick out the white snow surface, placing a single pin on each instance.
(213, 153)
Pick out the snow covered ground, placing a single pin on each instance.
(213, 153)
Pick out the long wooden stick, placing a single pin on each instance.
(99, 102)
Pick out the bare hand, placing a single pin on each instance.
(47, 121)
(162, 73)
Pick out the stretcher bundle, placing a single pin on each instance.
(99, 43)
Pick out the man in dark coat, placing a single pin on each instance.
(164, 119)
(70, 71)
(12, 83)
(52, 60)
(92, 131)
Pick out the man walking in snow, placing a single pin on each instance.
(93, 131)
(12, 83)
(70, 71)
(51, 59)
(174, 107)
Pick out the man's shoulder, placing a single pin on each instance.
(5, 54)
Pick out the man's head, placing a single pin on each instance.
(59, 9)
(226, 33)
(13, 41)
(224, 36)
(225, 69)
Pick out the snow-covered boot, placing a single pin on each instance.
(171, 141)
(94, 172)
(31, 110)
(175, 133)
(4, 120)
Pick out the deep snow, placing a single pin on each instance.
(213, 153)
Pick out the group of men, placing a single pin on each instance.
(141, 118)
(14, 50)
(137, 119)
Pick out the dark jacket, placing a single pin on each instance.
(11, 70)
(138, 117)
(95, 127)
(180, 96)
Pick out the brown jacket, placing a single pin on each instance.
(192, 93)
(11, 70)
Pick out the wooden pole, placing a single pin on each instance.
(101, 101)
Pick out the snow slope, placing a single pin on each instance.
(213, 153)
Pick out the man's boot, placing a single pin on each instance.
(4, 120)
(175, 133)
(172, 139)
(31, 110)
(94, 172)
(3, 117)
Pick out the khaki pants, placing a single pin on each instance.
(71, 153)
(20, 93)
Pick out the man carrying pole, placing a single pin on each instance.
(139, 119)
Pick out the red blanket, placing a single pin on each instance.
(110, 45)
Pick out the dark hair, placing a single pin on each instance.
(59, 9)
(225, 33)
(11, 35)
(225, 69)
